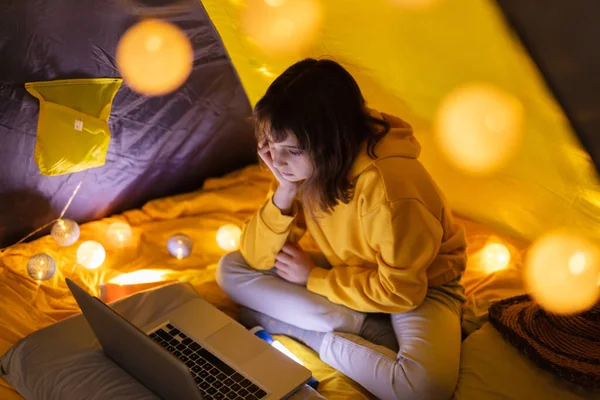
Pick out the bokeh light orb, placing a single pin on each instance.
(494, 257)
(180, 246)
(65, 232)
(478, 127)
(228, 237)
(282, 27)
(91, 254)
(562, 271)
(119, 234)
(41, 267)
(154, 57)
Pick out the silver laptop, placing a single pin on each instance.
(194, 352)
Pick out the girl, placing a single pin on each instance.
(382, 302)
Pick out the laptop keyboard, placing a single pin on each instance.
(215, 379)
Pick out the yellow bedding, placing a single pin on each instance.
(27, 306)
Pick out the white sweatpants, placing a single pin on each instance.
(429, 337)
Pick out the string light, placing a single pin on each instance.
(494, 257)
(266, 72)
(119, 234)
(41, 228)
(91, 254)
(179, 246)
(65, 232)
(478, 127)
(282, 27)
(562, 271)
(41, 267)
(228, 237)
(154, 57)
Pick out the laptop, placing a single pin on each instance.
(194, 352)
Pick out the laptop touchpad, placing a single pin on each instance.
(236, 343)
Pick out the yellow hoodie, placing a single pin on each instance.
(395, 237)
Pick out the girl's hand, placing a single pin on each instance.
(265, 154)
(293, 264)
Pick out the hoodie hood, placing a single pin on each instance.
(398, 142)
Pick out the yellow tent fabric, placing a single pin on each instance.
(73, 133)
(406, 59)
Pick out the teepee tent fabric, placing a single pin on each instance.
(406, 60)
(556, 36)
(159, 146)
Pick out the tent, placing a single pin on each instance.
(184, 161)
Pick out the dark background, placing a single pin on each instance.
(563, 39)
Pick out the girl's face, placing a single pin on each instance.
(291, 162)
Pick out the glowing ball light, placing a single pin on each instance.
(282, 27)
(228, 237)
(562, 271)
(41, 267)
(65, 232)
(494, 257)
(154, 57)
(119, 234)
(91, 254)
(478, 127)
(180, 246)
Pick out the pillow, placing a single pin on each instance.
(65, 361)
(491, 368)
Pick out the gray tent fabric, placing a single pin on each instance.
(159, 145)
(557, 37)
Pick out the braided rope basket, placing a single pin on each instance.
(566, 345)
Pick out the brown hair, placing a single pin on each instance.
(320, 103)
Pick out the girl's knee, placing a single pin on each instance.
(230, 266)
(435, 383)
